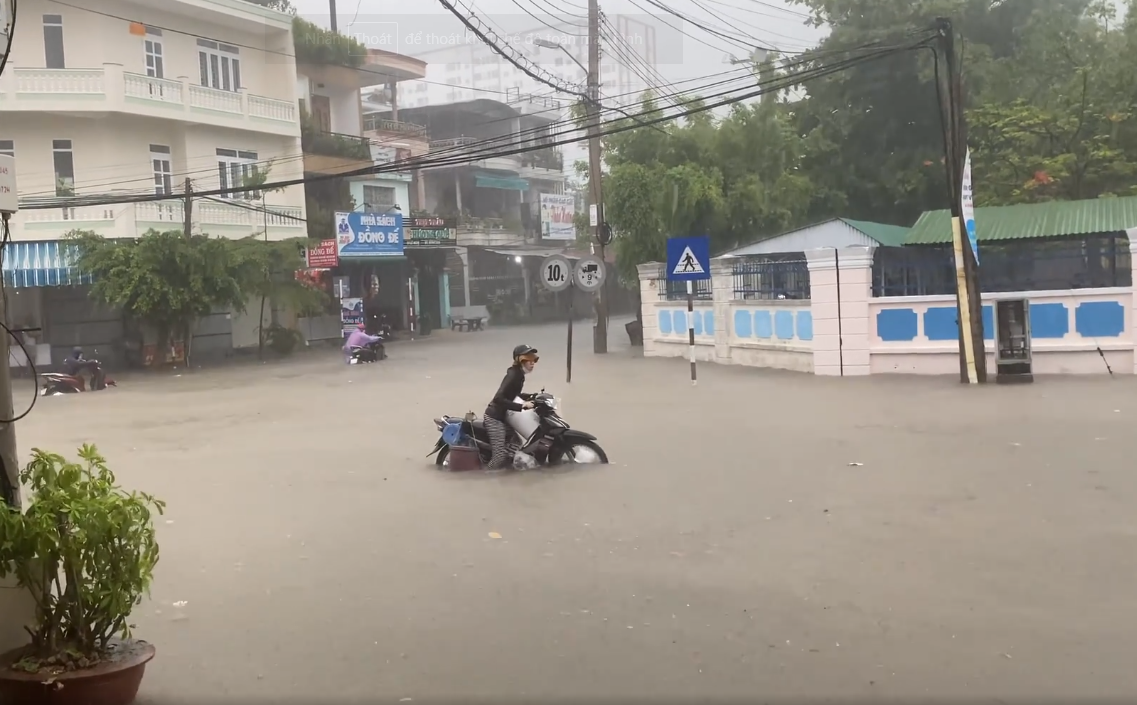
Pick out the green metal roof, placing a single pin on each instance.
(1032, 220)
(887, 235)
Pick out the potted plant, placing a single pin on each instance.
(86, 550)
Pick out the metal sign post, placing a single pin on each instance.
(556, 275)
(689, 260)
(588, 276)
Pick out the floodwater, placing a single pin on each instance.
(763, 533)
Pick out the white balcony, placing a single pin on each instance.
(133, 220)
(109, 89)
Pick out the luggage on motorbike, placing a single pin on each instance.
(464, 458)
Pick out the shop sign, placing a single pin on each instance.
(430, 232)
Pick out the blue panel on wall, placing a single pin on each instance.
(988, 323)
(697, 318)
(709, 322)
(1049, 321)
(679, 322)
(805, 325)
(940, 323)
(665, 322)
(763, 325)
(1099, 319)
(896, 324)
(743, 323)
(784, 325)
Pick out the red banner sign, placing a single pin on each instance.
(324, 255)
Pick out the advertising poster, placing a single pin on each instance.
(323, 256)
(557, 214)
(351, 315)
(369, 235)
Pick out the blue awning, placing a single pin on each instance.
(44, 263)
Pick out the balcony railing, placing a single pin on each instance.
(547, 158)
(334, 144)
(153, 214)
(126, 92)
(378, 124)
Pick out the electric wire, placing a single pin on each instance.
(495, 147)
(527, 67)
(10, 30)
(458, 154)
(147, 179)
(266, 50)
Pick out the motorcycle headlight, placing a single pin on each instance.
(554, 403)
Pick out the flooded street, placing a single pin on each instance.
(763, 533)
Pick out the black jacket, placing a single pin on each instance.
(503, 399)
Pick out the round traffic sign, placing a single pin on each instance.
(590, 273)
(556, 272)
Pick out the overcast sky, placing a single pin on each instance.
(683, 51)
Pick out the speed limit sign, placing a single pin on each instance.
(556, 273)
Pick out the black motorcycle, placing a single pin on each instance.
(372, 352)
(552, 442)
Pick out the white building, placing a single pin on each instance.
(472, 70)
(122, 97)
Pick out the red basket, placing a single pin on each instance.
(464, 458)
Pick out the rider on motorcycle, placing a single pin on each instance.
(77, 364)
(524, 359)
(359, 339)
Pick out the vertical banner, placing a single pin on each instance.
(967, 207)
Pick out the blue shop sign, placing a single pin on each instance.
(369, 235)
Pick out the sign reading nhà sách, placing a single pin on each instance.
(430, 232)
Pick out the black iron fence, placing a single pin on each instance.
(771, 276)
(677, 291)
(1023, 265)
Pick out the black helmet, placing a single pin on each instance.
(523, 350)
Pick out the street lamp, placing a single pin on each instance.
(546, 44)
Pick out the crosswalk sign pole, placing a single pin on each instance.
(691, 329)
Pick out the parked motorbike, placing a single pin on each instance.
(385, 327)
(543, 436)
(56, 383)
(372, 352)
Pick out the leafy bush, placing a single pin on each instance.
(283, 341)
(86, 551)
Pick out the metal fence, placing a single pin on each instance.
(771, 276)
(677, 291)
(1024, 265)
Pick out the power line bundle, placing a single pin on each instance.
(795, 72)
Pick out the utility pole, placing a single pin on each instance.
(969, 304)
(600, 337)
(187, 209)
(9, 458)
(332, 10)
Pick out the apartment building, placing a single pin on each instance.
(338, 139)
(125, 97)
(494, 201)
(471, 70)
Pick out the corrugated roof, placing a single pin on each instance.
(1032, 220)
(887, 235)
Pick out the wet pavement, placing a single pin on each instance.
(762, 534)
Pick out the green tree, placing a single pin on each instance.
(1049, 94)
(166, 280)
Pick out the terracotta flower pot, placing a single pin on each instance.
(114, 681)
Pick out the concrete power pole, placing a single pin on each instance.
(600, 337)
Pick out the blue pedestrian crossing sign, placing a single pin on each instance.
(688, 258)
